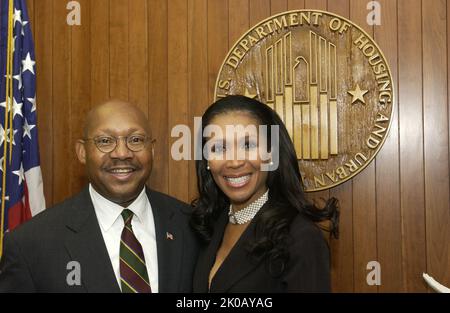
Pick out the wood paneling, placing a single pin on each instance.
(412, 189)
(278, 6)
(342, 249)
(364, 194)
(158, 91)
(138, 54)
(62, 100)
(296, 4)
(118, 49)
(389, 233)
(435, 111)
(81, 95)
(99, 38)
(238, 18)
(178, 90)
(165, 55)
(198, 72)
(217, 40)
(259, 10)
(43, 35)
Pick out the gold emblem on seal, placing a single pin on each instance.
(328, 81)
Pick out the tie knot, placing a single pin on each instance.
(127, 215)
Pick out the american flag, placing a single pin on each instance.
(21, 186)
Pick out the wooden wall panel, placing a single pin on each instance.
(158, 91)
(138, 54)
(43, 36)
(389, 233)
(278, 6)
(364, 195)
(259, 10)
(164, 56)
(198, 74)
(296, 4)
(316, 4)
(100, 52)
(178, 90)
(62, 93)
(342, 249)
(435, 110)
(118, 45)
(217, 40)
(239, 18)
(81, 95)
(412, 189)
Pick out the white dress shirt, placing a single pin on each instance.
(143, 224)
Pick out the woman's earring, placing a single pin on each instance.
(207, 167)
(271, 163)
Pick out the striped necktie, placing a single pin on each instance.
(133, 272)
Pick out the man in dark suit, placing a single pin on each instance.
(116, 235)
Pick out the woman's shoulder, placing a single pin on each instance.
(303, 229)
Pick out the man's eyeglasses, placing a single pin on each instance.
(108, 144)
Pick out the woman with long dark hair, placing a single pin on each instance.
(258, 229)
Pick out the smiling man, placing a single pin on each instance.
(116, 235)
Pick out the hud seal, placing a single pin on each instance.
(328, 81)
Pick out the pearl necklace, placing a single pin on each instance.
(248, 213)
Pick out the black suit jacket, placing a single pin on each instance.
(308, 269)
(36, 254)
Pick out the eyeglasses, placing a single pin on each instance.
(108, 144)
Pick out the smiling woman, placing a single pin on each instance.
(257, 226)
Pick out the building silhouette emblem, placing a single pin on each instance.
(302, 90)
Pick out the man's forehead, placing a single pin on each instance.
(127, 130)
(116, 122)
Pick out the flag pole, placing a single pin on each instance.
(10, 76)
(7, 107)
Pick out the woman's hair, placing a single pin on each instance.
(286, 195)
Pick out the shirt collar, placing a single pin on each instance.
(108, 212)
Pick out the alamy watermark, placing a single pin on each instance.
(236, 142)
(373, 278)
(73, 277)
(373, 17)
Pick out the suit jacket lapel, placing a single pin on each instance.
(238, 263)
(85, 244)
(169, 242)
(207, 256)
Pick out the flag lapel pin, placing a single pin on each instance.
(169, 236)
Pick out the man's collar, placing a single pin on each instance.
(108, 212)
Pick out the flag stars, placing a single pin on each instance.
(33, 103)
(17, 108)
(4, 135)
(17, 16)
(3, 104)
(27, 129)
(14, 44)
(6, 199)
(18, 77)
(24, 23)
(28, 64)
(20, 174)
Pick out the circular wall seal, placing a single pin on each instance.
(328, 81)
